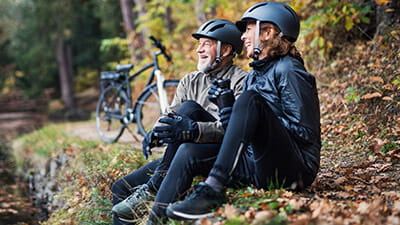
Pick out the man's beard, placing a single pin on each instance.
(206, 66)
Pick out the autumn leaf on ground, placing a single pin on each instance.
(371, 95)
(376, 79)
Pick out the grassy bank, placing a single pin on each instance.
(85, 178)
(92, 166)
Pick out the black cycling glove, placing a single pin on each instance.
(149, 142)
(178, 129)
(224, 116)
(221, 94)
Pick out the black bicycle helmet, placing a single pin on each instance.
(221, 30)
(284, 17)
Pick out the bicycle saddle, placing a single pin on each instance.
(124, 68)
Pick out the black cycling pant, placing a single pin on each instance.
(277, 160)
(153, 173)
(191, 160)
(274, 161)
(195, 112)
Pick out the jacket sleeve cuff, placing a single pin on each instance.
(210, 132)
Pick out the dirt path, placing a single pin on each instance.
(87, 131)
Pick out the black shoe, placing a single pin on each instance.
(197, 205)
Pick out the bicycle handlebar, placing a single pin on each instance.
(158, 44)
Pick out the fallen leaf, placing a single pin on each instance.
(205, 221)
(230, 211)
(262, 217)
(384, 167)
(376, 79)
(371, 95)
(250, 213)
(319, 208)
(363, 208)
(340, 181)
(343, 195)
(303, 219)
(396, 207)
(297, 203)
(393, 219)
(388, 87)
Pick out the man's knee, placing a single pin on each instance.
(195, 111)
(186, 151)
(119, 192)
(117, 187)
(188, 107)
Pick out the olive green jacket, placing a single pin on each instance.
(194, 86)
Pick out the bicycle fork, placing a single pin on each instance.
(161, 91)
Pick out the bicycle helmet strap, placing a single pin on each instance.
(257, 47)
(218, 57)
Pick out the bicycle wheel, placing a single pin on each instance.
(148, 107)
(110, 112)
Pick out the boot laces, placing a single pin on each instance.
(140, 193)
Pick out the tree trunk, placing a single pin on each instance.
(386, 16)
(202, 15)
(168, 20)
(64, 59)
(141, 12)
(136, 39)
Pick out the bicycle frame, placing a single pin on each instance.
(155, 73)
(116, 107)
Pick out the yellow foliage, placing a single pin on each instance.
(382, 2)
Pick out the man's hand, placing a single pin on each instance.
(225, 115)
(225, 99)
(221, 94)
(149, 142)
(213, 94)
(178, 129)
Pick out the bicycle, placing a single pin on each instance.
(115, 109)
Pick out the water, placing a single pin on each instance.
(15, 202)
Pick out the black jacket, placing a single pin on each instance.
(291, 93)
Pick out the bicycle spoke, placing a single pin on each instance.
(148, 109)
(110, 113)
(153, 104)
(155, 94)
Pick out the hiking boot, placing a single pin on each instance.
(197, 205)
(156, 220)
(134, 207)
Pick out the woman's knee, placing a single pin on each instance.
(245, 97)
(194, 153)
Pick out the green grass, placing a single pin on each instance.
(93, 166)
(86, 178)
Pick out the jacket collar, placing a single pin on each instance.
(259, 64)
(219, 72)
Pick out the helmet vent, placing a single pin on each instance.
(207, 24)
(217, 27)
(291, 11)
(258, 6)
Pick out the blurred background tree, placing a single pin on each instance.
(64, 44)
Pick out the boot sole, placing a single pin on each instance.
(127, 220)
(186, 216)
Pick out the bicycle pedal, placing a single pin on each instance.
(129, 118)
